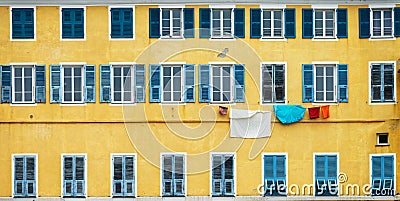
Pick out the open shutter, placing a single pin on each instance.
(189, 83)
(308, 23)
(155, 83)
(308, 83)
(239, 83)
(290, 23)
(204, 83)
(205, 25)
(188, 23)
(55, 84)
(342, 83)
(167, 175)
(364, 22)
(341, 18)
(255, 23)
(239, 25)
(154, 23)
(396, 18)
(105, 83)
(90, 83)
(40, 75)
(30, 188)
(129, 183)
(179, 177)
(6, 84)
(140, 83)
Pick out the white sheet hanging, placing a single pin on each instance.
(250, 123)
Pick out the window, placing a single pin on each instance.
(23, 23)
(72, 83)
(325, 83)
(222, 175)
(272, 23)
(23, 83)
(123, 84)
(171, 23)
(123, 175)
(25, 175)
(382, 83)
(121, 23)
(73, 23)
(74, 175)
(274, 175)
(273, 83)
(382, 181)
(222, 83)
(379, 22)
(326, 171)
(172, 83)
(225, 23)
(325, 23)
(173, 175)
(382, 139)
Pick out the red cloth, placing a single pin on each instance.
(313, 112)
(325, 111)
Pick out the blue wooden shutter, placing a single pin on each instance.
(17, 23)
(155, 83)
(280, 175)
(140, 83)
(396, 18)
(127, 23)
(79, 176)
(308, 83)
(30, 175)
(342, 83)
(6, 84)
(217, 175)
(205, 25)
(167, 175)
(79, 26)
(105, 83)
(189, 83)
(341, 16)
(129, 175)
(72, 23)
(23, 23)
(118, 173)
(55, 84)
(116, 28)
(290, 23)
(388, 175)
(179, 175)
(239, 83)
(204, 83)
(364, 22)
(255, 23)
(376, 177)
(269, 176)
(154, 23)
(239, 25)
(320, 174)
(228, 175)
(308, 29)
(90, 83)
(188, 22)
(40, 74)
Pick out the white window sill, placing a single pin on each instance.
(121, 39)
(222, 39)
(381, 38)
(222, 103)
(172, 103)
(324, 103)
(172, 38)
(382, 103)
(23, 40)
(273, 39)
(23, 104)
(272, 104)
(382, 145)
(122, 104)
(73, 104)
(325, 39)
(72, 39)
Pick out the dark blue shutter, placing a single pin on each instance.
(17, 23)
(308, 83)
(154, 23)
(396, 18)
(204, 83)
(90, 83)
(308, 23)
(320, 173)
(121, 22)
(155, 83)
(116, 29)
(290, 23)
(6, 84)
(72, 23)
(105, 83)
(127, 23)
(140, 83)
(23, 23)
(364, 22)
(40, 74)
(341, 22)
(189, 83)
(79, 26)
(239, 83)
(205, 25)
(239, 25)
(376, 174)
(342, 83)
(188, 22)
(255, 23)
(55, 84)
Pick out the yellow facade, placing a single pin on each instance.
(148, 129)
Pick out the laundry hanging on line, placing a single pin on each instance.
(288, 114)
(250, 123)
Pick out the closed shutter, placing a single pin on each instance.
(6, 84)
(118, 189)
(90, 83)
(105, 83)
(290, 23)
(189, 93)
(55, 84)
(255, 23)
(228, 173)
(217, 175)
(40, 75)
(179, 175)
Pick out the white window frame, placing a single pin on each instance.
(221, 34)
(286, 168)
(324, 23)
(337, 168)
(84, 24)
(34, 23)
(13, 171)
(112, 170)
(335, 84)
(261, 82)
(110, 21)
(232, 82)
(394, 172)
(382, 23)
(68, 65)
(171, 36)
(184, 154)
(62, 171)
(273, 10)
(234, 170)
(182, 82)
(378, 142)
(133, 80)
(394, 83)
(23, 65)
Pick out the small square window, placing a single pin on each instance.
(382, 139)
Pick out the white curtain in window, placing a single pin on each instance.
(250, 123)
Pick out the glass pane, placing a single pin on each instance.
(78, 84)
(117, 168)
(179, 169)
(19, 168)
(80, 168)
(68, 168)
(329, 84)
(77, 72)
(228, 167)
(117, 96)
(30, 168)
(217, 167)
(117, 71)
(18, 85)
(128, 96)
(78, 96)
(167, 167)
(129, 168)
(18, 72)
(177, 83)
(117, 84)
(320, 83)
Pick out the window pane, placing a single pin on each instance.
(30, 168)
(167, 167)
(117, 168)
(68, 168)
(228, 167)
(80, 168)
(129, 168)
(217, 167)
(19, 168)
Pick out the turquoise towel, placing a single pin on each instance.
(288, 114)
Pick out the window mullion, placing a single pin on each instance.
(325, 80)
(273, 84)
(382, 23)
(171, 23)
(272, 23)
(221, 23)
